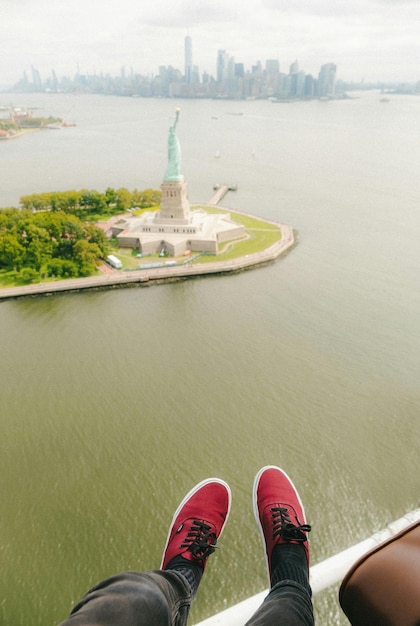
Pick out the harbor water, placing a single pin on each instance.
(115, 403)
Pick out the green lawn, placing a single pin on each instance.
(9, 278)
(104, 217)
(260, 235)
(128, 257)
(258, 241)
(247, 220)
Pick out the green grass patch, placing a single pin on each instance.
(127, 257)
(141, 211)
(247, 220)
(9, 278)
(107, 215)
(260, 235)
(258, 241)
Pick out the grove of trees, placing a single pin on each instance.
(91, 204)
(54, 235)
(49, 244)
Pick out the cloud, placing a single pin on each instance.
(338, 8)
(183, 13)
(397, 3)
(325, 8)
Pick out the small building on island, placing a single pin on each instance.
(175, 228)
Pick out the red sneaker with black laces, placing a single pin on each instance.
(279, 512)
(198, 523)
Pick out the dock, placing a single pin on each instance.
(221, 191)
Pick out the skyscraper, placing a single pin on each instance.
(326, 80)
(272, 66)
(294, 68)
(36, 79)
(188, 59)
(222, 64)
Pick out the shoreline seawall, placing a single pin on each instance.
(146, 277)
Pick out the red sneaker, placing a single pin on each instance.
(198, 522)
(279, 512)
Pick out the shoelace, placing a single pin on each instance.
(200, 541)
(284, 527)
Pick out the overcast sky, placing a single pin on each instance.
(367, 39)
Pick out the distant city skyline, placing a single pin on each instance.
(232, 79)
(374, 40)
(192, 72)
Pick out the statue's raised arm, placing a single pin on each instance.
(173, 170)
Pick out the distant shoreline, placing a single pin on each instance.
(25, 131)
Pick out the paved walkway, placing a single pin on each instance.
(159, 274)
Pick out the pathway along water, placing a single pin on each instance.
(146, 277)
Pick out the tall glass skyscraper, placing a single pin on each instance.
(326, 80)
(188, 59)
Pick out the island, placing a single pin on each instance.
(264, 242)
(77, 240)
(16, 121)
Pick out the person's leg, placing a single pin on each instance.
(163, 597)
(280, 517)
(154, 598)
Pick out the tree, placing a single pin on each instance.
(146, 198)
(28, 274)
(92, 202)
(11, 251)
(67, 201)
(52, 222)
(36, 254)
(96, 235)
(110, 196)
(62, 268)
(52, 242)
(123, 199)
(35, 202)
(71, 232)
(86, 255)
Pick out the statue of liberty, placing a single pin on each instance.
(173, 170)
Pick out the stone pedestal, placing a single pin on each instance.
(174, 205)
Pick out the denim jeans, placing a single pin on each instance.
(287, 604)
(163, 598)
